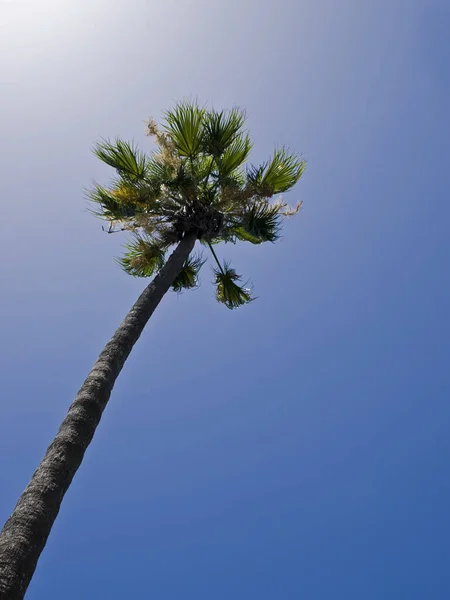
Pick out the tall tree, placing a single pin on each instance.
(194, 186)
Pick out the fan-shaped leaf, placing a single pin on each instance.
(204, 167)
(188, 277)
(235, 155)
(185, 127)
(229, 292)
(221, 129)
(259, 223)
(124, 157)
(110, 206)
(283, 171)
(144, 256)
(254, 178)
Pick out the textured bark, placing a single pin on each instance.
(25, 533)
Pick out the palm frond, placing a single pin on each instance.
(143, 257)
(278, 175)
(235, 155)
(184, 124)
(110, 206)
(254, 179)
(124, 157)
(283, 171)
(221, 129)
(261, 222)
(141, 195)
(204, 167)
(187, 279)
(229, 292)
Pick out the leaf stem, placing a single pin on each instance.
(216, 259)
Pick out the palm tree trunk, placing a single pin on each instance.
(25, 533)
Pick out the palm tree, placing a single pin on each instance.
(192, 187)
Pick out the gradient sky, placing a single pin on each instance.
(298, 447)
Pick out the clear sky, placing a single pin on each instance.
(298, 447)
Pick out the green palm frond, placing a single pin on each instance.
(139, 195)
(261, 222)
(221, 129)
(188, 277)
(235, 155)
(254, 178)
(109, 206)
(283, 172)
(184, 124)
(278, 175)
(144, 256)
(229, 292)
(124, 157)
(204, 167)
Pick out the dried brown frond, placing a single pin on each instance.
(152, 128)
(161, 138)
(169, 157)
(290, 211)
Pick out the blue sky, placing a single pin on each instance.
(299, 447)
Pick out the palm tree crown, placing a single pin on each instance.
(196, 180)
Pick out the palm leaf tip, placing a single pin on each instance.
(143, 257)
(228, 291)
(221, 129)
(187, 279)
(122, 156)
(109, 205)
(284, 171)
(184, 125)
(235, 155)
(278, 175)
